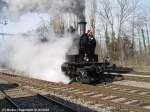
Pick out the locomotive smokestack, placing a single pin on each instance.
(82, 28)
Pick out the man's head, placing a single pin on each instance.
(88, 32)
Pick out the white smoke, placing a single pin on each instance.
(29, 54)
(42, 60)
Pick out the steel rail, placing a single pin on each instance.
(11, 101)
(68, 108)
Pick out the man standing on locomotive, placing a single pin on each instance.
(91, 45)
(87, 46)
(83, 43)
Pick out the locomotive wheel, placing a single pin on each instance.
(83, 76)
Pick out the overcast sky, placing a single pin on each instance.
(25, 23)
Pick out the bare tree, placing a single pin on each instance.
(144, 40)
(125, 11)
(107, 19)
(135, 5)
(93, 15)
(106, 14)
(146, 23)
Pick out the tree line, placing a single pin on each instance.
(124, 26)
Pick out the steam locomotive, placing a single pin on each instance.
(84, 67)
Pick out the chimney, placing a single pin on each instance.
(82, 28)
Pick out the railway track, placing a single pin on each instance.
(141, 73)
(111, 97)
(23, 99)
(131, 77)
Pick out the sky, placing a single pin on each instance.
(27, 22)
(146, 1)
(30, 21)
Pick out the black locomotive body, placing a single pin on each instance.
(84, 66)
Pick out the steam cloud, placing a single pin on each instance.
(53, 7)
(28, 54)
(42, 60)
